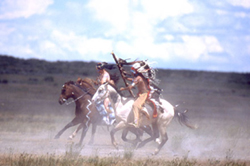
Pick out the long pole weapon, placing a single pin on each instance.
(121, 72)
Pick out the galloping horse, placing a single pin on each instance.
(85, 112)
(124, 115)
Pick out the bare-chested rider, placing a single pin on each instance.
(101, 79)
(142, 85)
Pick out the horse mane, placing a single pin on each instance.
(118, 91)
(70, 82)
(90, 87)
(88, 81)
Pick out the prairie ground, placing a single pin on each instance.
(30, 117)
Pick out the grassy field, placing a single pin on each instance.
(30, 116)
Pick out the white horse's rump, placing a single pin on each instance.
(124, 114)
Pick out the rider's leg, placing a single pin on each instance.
(137, 106)
(106, 106)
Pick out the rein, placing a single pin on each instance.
(68, 103)
(85, 93)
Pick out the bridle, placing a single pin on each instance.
(106, 92)
(70, 102)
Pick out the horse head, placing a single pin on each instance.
(66, 92)
(101, 93)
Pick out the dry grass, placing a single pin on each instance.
(75, 160)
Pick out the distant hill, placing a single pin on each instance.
(12, 65)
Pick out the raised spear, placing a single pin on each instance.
(121, 72)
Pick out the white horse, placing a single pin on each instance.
(124, 115)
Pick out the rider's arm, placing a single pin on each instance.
(129, 79)
(135, 82)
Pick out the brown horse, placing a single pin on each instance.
(85, 113)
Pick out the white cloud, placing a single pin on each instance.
(123, 16)
(11, 9)
(169, 37)
(194, 47)
(24, 51)
(114, 12)
(136, 22)
(160, 10)
(242, 3)
(89, 48)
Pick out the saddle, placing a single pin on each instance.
(153, 105)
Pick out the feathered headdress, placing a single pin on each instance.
(144, 68)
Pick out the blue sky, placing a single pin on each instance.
(207, 35)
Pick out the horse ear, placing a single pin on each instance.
(78, 80)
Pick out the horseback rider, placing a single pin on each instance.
(144, 79)
(155, 90)
(104, 77)
(142, 86)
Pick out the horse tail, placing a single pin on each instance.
(183, 119)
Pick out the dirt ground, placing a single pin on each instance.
(30, 117)
(216, 140)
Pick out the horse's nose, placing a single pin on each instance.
(61, 100)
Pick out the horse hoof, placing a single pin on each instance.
(156, 152)
(116, 147)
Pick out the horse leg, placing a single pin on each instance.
(91, 141)
(118, 127)
(134, 131)
(85, 124)
(164, 138)
(74, 122)
(124, 134)
(152, 137)
(75, 132)
(147, 129)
